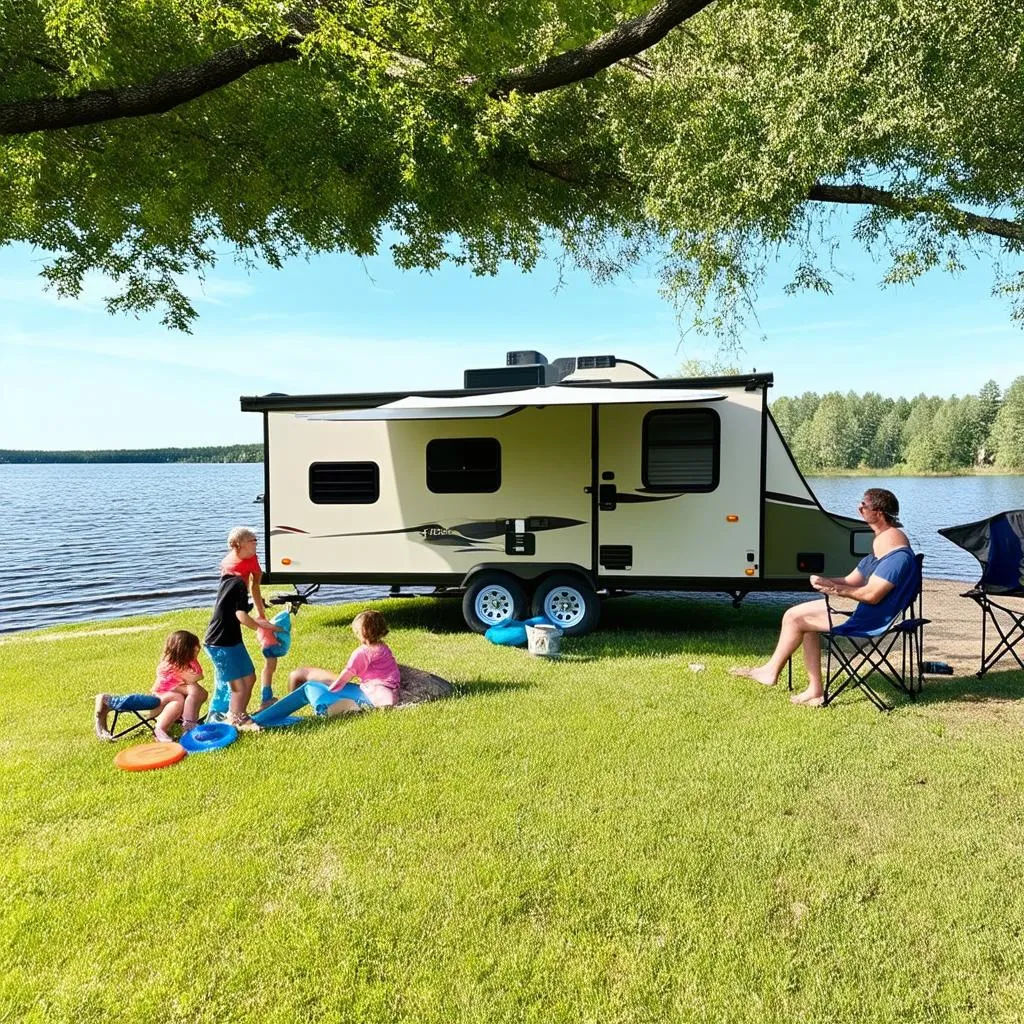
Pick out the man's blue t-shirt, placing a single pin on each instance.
(899, 568)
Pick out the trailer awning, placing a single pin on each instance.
(421, 407)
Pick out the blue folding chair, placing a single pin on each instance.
(998, 545)
(131, 705)
(867, 642)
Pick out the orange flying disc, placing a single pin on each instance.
(149, 755)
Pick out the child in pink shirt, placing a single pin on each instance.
(177, 684)
(372, 663)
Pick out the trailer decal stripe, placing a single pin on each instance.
(790, 499)
(472, 534)
(639, 497)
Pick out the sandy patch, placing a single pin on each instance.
(34, 638)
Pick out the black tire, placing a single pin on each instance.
(569, 601)
(492, 598)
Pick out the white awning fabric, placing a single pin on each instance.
(422, 407)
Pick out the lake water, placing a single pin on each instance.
(86, 542)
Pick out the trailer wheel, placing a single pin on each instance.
(491, 599)
(569, 602)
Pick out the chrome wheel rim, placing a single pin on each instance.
(494, 604)
(565, 606)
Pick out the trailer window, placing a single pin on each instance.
(681, 450)
(344, 483)
(463, 465)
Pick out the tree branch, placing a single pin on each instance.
(625, 40)
(162, 94)
(177, 87)
(865, 195)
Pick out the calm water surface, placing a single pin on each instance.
(104, 541)
(86, 542)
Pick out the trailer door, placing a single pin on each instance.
(679, 491)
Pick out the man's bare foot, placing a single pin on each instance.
(762, 674)
(102, 708)
(808, 699)
(162, 737)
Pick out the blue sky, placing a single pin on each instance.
(75, 377)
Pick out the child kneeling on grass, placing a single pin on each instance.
(372, 663)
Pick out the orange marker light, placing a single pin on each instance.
(732, 519)
(749, 572)
(286, 561)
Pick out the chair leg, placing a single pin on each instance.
(851, 673)
(984, 616)
(1009, 637)
(142, 722)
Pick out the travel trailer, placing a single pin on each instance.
(538, 487)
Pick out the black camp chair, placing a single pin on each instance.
(998, 544)
(864, 645)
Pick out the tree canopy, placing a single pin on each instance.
(146, 138)
(922, 434)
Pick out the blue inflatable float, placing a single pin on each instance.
(283, 621)
(513, 633)
(208, 737)
(319, 696)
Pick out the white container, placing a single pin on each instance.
(544, 641)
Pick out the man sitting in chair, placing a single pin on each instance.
(874, 582)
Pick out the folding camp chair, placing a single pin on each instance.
(863, 645)
(998, 544)
(131, 704)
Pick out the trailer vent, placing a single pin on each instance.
(616, 556)
(344, 483)
(810, 561)
(595, 362)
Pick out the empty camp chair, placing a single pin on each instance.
(868, 641)
(998, 544)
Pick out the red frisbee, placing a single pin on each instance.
(149, 755)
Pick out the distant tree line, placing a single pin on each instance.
(222, 453)
(922, 434)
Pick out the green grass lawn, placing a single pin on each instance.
(610, 837)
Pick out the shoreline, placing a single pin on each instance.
(229, 455)
(953, 633)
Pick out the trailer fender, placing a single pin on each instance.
(528, 572)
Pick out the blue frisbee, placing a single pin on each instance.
(209, 737)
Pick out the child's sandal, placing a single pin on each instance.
(243, 723)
